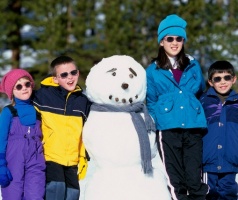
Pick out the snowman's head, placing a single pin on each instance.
(117, 80)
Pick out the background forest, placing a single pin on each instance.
(89, 30)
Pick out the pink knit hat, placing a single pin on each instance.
(9, 80)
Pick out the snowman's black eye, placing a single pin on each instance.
(132, 71)
(113, 71)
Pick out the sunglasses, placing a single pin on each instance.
(20, 86)
(171, 39)
(217, 79)
(65, 74)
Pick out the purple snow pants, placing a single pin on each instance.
(26, 163)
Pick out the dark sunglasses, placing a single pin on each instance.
(171, 39)
(65, 74)
(20, 86)
(217, 79)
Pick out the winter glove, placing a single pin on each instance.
(82, 167)
(5, 174)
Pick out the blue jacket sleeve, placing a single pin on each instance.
(5, 122)
(203, 84)
(200, 80)
(151, 94)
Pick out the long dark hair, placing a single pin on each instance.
(163, 61)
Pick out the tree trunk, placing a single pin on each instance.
(15, 8)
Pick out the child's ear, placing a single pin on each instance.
(55, 80)
(162, 43)
(234, 79)
(210, 83)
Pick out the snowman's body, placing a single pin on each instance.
(112, 142)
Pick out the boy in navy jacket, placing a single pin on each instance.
(220, 144)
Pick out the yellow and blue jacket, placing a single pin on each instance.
(63, 114)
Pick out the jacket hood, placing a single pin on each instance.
(48, 81)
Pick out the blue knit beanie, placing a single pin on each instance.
(172, 25)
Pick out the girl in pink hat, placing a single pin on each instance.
(22, 163)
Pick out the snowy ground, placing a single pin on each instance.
(83, 182)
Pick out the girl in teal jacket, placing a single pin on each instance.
(173, 104)
(174, 83)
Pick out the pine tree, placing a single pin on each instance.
(11, 23)
(91, 30)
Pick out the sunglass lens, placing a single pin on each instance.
(179, 39)
(74, 72)
(170, 39)
(28, 84)
(217, 79)
(18, 86)
(227, 78)
(64, 74)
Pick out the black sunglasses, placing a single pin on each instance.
(217, 79)
(65, 74)
(171, 39)
(20, 86)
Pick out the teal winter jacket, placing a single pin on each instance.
(174, 105)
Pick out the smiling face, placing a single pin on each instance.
(222, 82)
(173, 48)
(22, 89)
(67, 76)
(117, 80)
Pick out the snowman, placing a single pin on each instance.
(119, 134)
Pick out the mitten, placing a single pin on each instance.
(5, 174)
(82, 167)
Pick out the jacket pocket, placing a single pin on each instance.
(165, 105)
(195, 104)
(164, 114)
(195, 114)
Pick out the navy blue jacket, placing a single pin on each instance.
(220, 144)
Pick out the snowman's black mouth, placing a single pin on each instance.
(123, 100)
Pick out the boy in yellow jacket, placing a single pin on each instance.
(63, 108)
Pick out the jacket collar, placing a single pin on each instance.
(233, 96)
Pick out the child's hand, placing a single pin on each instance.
(82, 168)
(5, 176)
